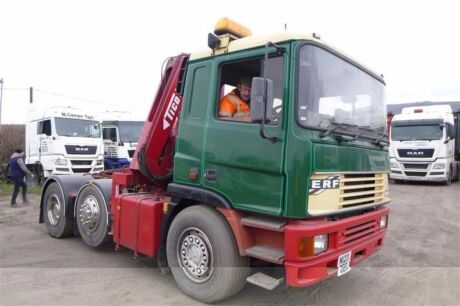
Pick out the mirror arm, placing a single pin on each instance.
(262, 130)
(280, 50)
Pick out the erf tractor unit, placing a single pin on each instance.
(120, 133)
(425, 144)
(301, 182)
(62, 140)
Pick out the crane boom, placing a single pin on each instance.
(154, 154)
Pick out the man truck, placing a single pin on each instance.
(425, 144)
(62, 140)
(120, 133)
(302, 186)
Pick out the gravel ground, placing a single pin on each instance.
(419, 264)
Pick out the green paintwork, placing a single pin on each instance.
(253, 173)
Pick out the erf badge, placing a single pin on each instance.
(318, 186)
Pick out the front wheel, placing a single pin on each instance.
(449, 177)
(203, 255)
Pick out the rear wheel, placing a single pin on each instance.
(203, 255)
(54, 212)
(92, 217)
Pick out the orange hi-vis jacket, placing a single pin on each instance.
(233, 106)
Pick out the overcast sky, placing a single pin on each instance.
(110, 53)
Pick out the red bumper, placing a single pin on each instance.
(361, 235)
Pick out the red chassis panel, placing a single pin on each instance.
(136, 216)
(137, 222)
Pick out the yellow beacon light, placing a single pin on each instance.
(228, 26)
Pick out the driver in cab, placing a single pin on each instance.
(236, 104)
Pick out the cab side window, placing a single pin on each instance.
(109, 134)
(234, 101)
(44, 127)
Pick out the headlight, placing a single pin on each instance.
(439, 166)
(99, 162)
(320, 243)
(383, 221)
(60, 162)
(310, 246)
(394, 165)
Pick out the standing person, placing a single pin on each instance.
(18, 172)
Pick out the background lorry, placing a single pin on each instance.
(425, 144)
(303, 186)
(120, 133)
(62, 140)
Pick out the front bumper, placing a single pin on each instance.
(361, 235)
(433, 176)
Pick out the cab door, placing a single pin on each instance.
(238, 162)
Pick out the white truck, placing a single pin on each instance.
(62, 140)
(120, 133)
(425, 144)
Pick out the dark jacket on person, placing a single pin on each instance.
(17, 166)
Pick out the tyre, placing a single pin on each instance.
(54, 212)
(449, 177)
(203, 255)
(92, 217)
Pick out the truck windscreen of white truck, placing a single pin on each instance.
(416, 132)
(130, 130)
(333, 93)
(77, 128)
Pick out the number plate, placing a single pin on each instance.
(343, 263)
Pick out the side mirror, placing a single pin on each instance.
(261, 99)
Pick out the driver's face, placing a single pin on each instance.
(245, 92)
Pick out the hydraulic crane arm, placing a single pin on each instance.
(155, 150)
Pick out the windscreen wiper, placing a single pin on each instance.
(359, 134)
(379, 139)
(335, 127)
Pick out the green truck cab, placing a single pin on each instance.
(316, 89)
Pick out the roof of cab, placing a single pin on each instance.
(258, 41)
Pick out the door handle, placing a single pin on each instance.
(210, 175)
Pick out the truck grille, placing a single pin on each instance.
(332, 192)
(81, 170)
(111, 152)
(413, 173)
(81, 162)
(416, 153)
(415, 166)
(360, 189)
(357, 232)
(70, 149)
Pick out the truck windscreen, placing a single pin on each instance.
(77, 128)
(334, 91)
(416, 132)
(130, 130)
